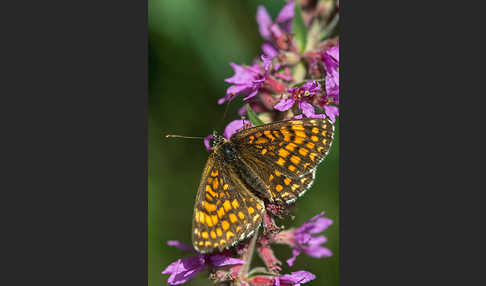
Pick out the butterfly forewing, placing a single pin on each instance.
(225, 211)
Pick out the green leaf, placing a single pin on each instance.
(255, 121)
(298, 27)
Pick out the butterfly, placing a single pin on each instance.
(274, 162)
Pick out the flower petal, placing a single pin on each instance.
(298, 277)
(269, 50)
(233, 127)
(184, 269)
(307, 108)
(318, 251)
(264, 21)
(284, 104)
(332, 112)
(206, 142)
(221, 260)
(181, 245)
(291, 260)
(287, 12)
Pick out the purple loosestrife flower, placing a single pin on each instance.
(247, 80)
(330, 60)
(295, 278)
(302, 239)
(271, 32)
(184, 269)
(302, 95)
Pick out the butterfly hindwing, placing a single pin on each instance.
(225, 211)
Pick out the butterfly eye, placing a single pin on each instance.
(228, 152)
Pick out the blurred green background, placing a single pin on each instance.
(190, 46)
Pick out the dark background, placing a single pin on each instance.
(190, 46)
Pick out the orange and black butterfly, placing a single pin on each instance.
(274, 162)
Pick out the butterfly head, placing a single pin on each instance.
(217, 140)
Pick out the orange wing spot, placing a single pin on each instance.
(286, 134)
(278, 188)
(298, 140)
(209, 197)
(235, 204)
(233, 218)
(303, 152)
(269, 135)
(229, 235)
(300, 134)
(213, 234)
(298, 127)
(209, 207)
(277, 173)
(291, 168)
(287, 181)
(205, 234)
(281, 161)
(251, 210)
(225, 224)
(294, 187)
(210, 180)
(227, 206)
(296, 122)
(324, 133)
(201, 243)
(303, 180)
(290, 147)
(256, 217)
(219, 232)
(220, 181)
(214, 173)
(261, 140)
(196, 216)
(251, 139)
(209, 222)
(310, 145)
(294, 159)
(314, 138)
(275, 133)
(196, 231)
(315, 130)
(241, 215)
(238, 228)
(215, 184)
(324, 141)
(313, 156)
(214, 218)
(283, 153)
(222, 242)
(215, 244)
(319, 149)
(259, 206)
(258, 134)
(305, 165)
(264, 151)
(225, 187)
(221, 212)
(207, 243)
(271, 177)
(324, 126)
(221, 195)
(202, 217)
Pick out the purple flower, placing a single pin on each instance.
(184, 269)
(302, 239)
(331, 111)
(330, 60)
(295, 278)
(247, 80)
(301, 95)
(272, 31)
(230, 129)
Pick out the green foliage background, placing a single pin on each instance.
(191, 43)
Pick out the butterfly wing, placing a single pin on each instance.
(285, 154)
(225, 211)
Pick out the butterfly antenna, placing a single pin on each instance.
(180, 136)
(226, 110)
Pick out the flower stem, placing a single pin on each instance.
(248, 256)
